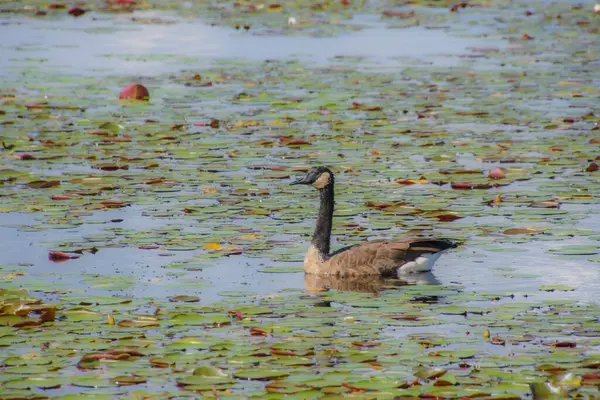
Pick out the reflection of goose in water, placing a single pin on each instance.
(374, 258)
(365, 284)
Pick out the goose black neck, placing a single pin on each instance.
(322, 236)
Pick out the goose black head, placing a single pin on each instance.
(319, 177)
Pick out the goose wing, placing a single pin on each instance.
(383, 257)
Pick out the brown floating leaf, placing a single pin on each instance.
(497, 340)
(258, 332)
(525, 230)
(60, 197)
(43, 184)
(420, 181)
(159, 363)
(565, 344)
(110, 167)
(448, 217)
(26, 156)
(591, 379)
(293, 142)
(59, 256)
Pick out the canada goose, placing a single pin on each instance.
(375, 258)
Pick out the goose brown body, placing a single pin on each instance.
(373, 258)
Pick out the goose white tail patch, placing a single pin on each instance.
(423, 263)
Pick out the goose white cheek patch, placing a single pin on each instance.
(322, 181)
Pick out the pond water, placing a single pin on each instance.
(484, 273)
(88, 45)
(184, 224)
(91, 44)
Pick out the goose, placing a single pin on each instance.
(383, 258)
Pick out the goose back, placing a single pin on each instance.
(377, 257)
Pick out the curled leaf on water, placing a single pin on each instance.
(497, 340)
(592, 167)
(59, 256)
(76, 11)
(134, 91)
(48, 315)
(496, 173)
